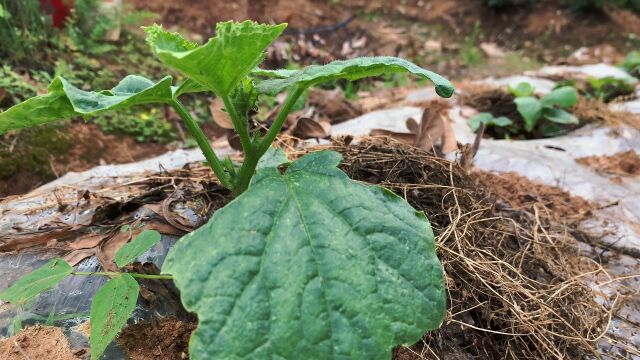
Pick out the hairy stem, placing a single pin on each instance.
(203, 143)
(248, 168)
(135, 275)
(240, 124)
(274, 130)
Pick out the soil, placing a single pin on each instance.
(39, 342)
(544, 30)
(622, 164)
(52, 152)
(522, 194)
(168, 339)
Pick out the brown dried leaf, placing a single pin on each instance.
(404, 138)
(75, 257)
(308, 128)
(435, 126)
(87, 241)
(220, 117)
(413, 126)
(107, 251)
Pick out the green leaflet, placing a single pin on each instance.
(274, 157)
(531, 109)
(559, 116)
(352, 69)
(224, 60)
(64, 101)
(36, 282)
(488, 120)
(130, 251)
(565, 96)
(320, 265)
(111, 307)
(523, 89)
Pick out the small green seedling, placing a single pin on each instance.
(114, 302)
(304, 260)
(632, 64)
(543, 116)
(608, 88)
(488, 120)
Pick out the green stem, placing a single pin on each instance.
(274, 130)
(240, 124)
(251, 158)
(112, 274)
(203, 143)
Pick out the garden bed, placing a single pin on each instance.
(513, 271)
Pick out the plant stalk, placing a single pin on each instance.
(203, 143)
(240, 124)
(252, 157)
(112, 274)
(274, 130)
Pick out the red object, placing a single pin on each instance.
(58, 9)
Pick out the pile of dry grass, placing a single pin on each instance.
(515, 291)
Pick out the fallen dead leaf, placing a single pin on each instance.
(308, 128)
(433, 133)
(220, 117)
(76, 256)
(405, 138)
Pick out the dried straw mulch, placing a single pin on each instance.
(513, 276)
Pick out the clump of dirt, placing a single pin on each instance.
(524, 194)
(168, 339)
(510, 272)
(623, 163)
(39, 342)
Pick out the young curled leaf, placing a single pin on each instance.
(323, 266)
(64, 101)
(244, 97)
(352, 69)
(224, 60)
(523, 89)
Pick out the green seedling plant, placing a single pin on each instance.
(632, 64)
(543, 113)
(304, 260)
(489, 121)
(544, 116)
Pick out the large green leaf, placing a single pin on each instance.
(224, 60)
(111, 308)
(309, 262)
(39, 280)
(64, 101)
(565, 96)
(352, 69)
(130, 251)
(531, 109)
